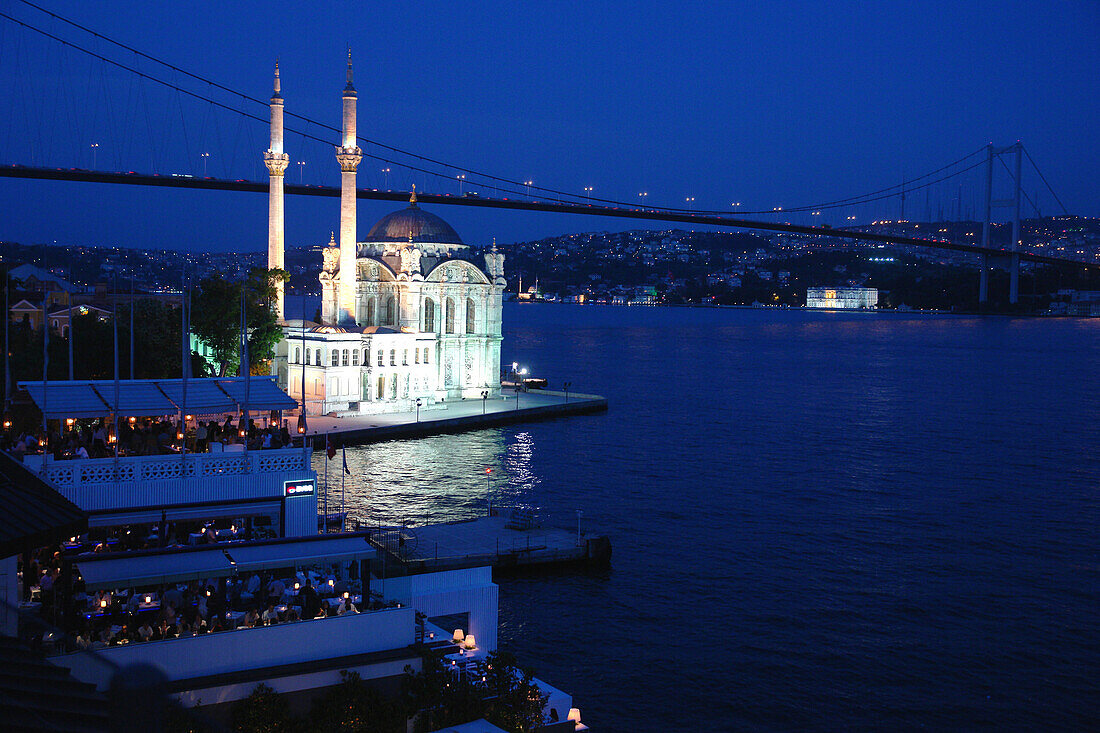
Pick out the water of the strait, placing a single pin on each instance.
(820, 521)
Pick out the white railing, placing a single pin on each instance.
(227, 652)
(110, 483)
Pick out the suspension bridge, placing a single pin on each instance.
(144, 113)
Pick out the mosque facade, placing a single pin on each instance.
(410, 315)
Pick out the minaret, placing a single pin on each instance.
(276, 161)
(349, 155)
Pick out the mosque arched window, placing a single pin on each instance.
(297, 354)
(355, 357)
(471, 316)
(317, 360)
(393, 357)
(381, 386)
(429, 315)
(405, 357)
(425, 354)
(344, 357)
(416, 356)
(336, 357)
(381, 361)
(370, 312)
(450, 318)
(388, 312)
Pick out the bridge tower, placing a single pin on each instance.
(349, 155)
(1014, 268)
(276, 161)
(987, 223)
(1011, 262)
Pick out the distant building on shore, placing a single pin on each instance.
(842, 298)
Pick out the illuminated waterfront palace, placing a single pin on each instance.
(407, 314)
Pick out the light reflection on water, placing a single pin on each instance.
(819, 520)
(435, 479)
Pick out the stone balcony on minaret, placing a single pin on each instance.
(349, 158)
(276, 162)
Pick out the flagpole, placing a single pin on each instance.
(185, 356)
(324, 524)
(45, 369)
(70, 339)
(131, 323)
(114, 324)
(343, 475)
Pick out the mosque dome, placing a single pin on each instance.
(423, 226)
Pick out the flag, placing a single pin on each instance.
(344, 455)
(330, 449)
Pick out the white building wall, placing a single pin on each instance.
(235, 651)
(9, 596)
(470, 591)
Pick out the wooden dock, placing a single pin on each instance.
(455, 417)
(487, 541)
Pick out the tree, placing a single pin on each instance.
(264, 711)
(216, 316)
(352, 707)
(515, 702)
(508, 698)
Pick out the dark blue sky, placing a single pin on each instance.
(768, 104)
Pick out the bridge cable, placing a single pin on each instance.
(288, 113)
(257, 118)
(518, 187)
(1044, 178)
(1022, 191)
(864, 198)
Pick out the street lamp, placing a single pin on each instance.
(488, 494)
(579, 515)
(588, 194)
(418, 404)
(566, 386)
(301, 171)
(517, 395)
(204, 157)
(386, 172)
(484, 397)
(690, 200)
(461, 179)
(95, 149)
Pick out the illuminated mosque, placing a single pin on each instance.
(407, 314)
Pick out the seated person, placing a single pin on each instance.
(145, 631)
(251, 619)
(270, 616)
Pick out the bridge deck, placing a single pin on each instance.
(170, 181)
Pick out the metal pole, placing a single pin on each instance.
(131, 325)
(324, 525)
(983, 283)
(7, 346)
(1014, 267)
(70, 338)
